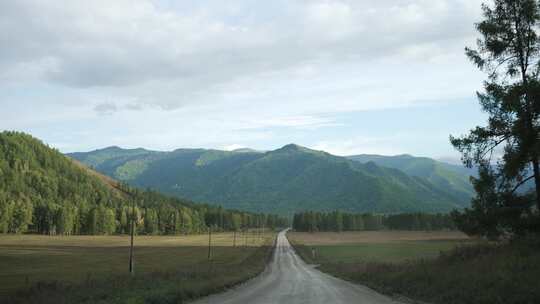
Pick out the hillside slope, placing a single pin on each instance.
(448, 178)
(285, 180)
(43, 191)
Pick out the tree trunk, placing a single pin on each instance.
(131, 266)
(536, 169)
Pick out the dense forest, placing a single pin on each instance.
(43, 191)
(341, 221)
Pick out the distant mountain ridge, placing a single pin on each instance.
(285, 180)
(447, 177)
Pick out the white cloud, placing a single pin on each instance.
(333, 19)
(233, 147)
(210, 73)
(119, 43)
(302, 122)
(105, 108)
(383, 145)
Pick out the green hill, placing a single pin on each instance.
(448, 178)
(43, 191)
(285, 180)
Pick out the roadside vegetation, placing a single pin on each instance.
(458, 271)
(93, 269)
(324, 248)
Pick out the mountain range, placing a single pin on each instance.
(289, 179)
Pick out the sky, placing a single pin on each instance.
(345, 76)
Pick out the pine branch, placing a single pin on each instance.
(521, 183)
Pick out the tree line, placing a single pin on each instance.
(342, 221)
(42, 191)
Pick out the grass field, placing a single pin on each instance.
(435, 267)
(26, 260)
(374, 246)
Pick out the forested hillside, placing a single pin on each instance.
(449, 178)
(43, 191)
(286, 180)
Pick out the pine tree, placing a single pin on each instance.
(21, 216)
(509, 52)
(6, 210)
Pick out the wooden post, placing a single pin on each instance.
(131, 266)
(234, 238)
(210, 243)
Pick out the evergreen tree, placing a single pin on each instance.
(150, 222)
(21, 216)
(124, 225)
(92, 222)
(5, 213)
(108, 222)
(509, 52)
(177, 222)
(65, 219)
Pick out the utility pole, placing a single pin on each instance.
(131, 269)
(209, 243)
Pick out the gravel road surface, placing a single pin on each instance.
(288, 279)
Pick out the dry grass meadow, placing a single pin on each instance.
(361, 237)
(28, 259)
(431, 267)
(378, 246)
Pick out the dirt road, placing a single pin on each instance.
(288, 279)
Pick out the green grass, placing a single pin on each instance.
(374, 246)
(479, 273)
(386, 252)
(79, 269)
